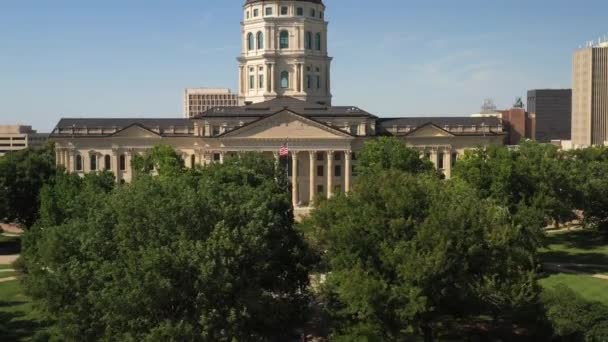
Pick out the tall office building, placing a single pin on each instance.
(552, 110)
(284, 51)
(16, 137)
(199, 100)
(590, 95)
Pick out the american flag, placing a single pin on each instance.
(284, 150)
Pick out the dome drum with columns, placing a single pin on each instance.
(284, 52)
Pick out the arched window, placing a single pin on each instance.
(284, 79)
(123, 163)
(79, 163)
(107, 162)
(93, 162)
(318, 42)
(260, 40)
(308, 41)
(284, 40)
(250, 43)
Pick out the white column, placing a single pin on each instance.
(312, 169)
(330, 173)
(447, 163)
(347, 169)
(222, 157)
(72, 165)
(273, 73)
(241, 92)
(434, 159)
(294, 178)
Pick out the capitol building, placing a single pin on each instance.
(284, 73)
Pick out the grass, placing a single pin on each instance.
(18, 320)
(589, 251)
(587, 287)
(577, 247)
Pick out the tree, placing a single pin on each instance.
(531, 176)
(403, 252)
(161, 159)
(22, 175)
(574, 318)
(206, 254)
(390, 153)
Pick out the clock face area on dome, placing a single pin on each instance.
(284, 51)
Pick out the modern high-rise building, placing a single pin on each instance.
(284, 51)
(16, 137)
(199, 100)
(552, 110)
(590, 95)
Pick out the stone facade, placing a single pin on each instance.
(323, 140)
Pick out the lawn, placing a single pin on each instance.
(18, 320)
(585, 252)
(587, 287)
(577, 247)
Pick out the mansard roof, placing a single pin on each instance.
(275, 105)
(102, 127)
(457, 125)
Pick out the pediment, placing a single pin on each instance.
(136, 131)
(430, 131)
(284, 125)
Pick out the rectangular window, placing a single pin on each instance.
(268, 10)
(313, 13)
(354, 130)
(338, 171)
(247, 14)
(320, 189)
(440, 161)
(308, 82)
(353, 156)
(300, 11)
(320, 170)
(337, 156)
(215, 130)
(123, 163)
(320, 156)
(321, 14)
(454, 158)
(284, 10)
(318, 82)
(255, 12)
(261, 78)
(216, 157)
(251, 82)
(93, 163)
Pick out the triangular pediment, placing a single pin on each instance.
(429, 131)
(136, 131)
(286, 124)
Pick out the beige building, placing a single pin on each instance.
(323, 140)
(199, 100)
(284, 51)
(590, 96)
(17, 137)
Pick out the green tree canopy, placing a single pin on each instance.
(162, 160)
(402, 252)
(532, 176)
(390, 153)
(208, 254)
(22, 175)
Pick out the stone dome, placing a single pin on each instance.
(320, 2)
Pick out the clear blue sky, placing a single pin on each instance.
(132, 58)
